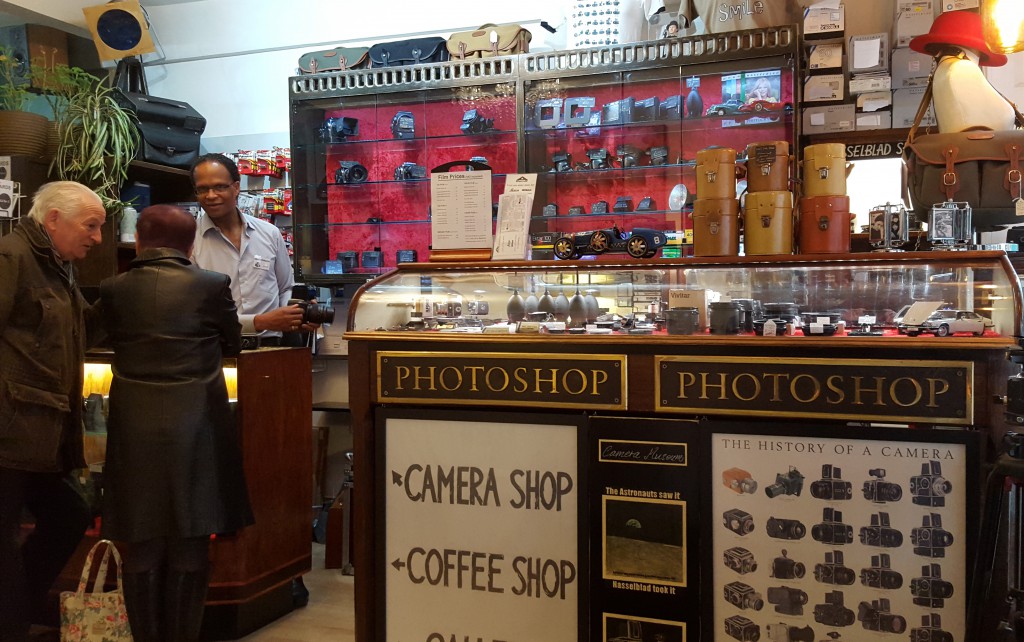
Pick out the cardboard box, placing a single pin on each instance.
(868, 53)
(827, 119)
(910, 68)
(912, 19)
(824, 88)
(864, 84)
(874, 120)
(825, 56)
(904, 107)
(874, 101)
(821, 22)
(957, 5)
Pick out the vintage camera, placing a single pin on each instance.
(599, 207)
(372, 258)
(740, 560)
(879, 533)
(478, 307)
(831, 529)
(739, 481)
(659, 155)
(337, 130)
(949, 223)
(930, 539)
(628, 155)
(405, 256)
(561, 162)
(889, 227)
(623, 204)
(831, 485)
(349, 260)
(787, 600)
(783, 632)
(930, 589)
(551, 209)
(738, 521)
(403, 125)
(876, 616)
(785, 568)
(788, 483)
(646, 110)
(785, 528)
(598, 159)
(646, 204)
(930, 487)
(834, 612)
(576, 210)
(834, 571)
(930, 630)
(410, 171)
(350, 172)
(880, 491)
(474, 123)
(318, 313)
(671, 108)
(880, 574)
(743, 596)
(742, 629)
(619, 112)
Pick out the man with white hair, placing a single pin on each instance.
(42, 347)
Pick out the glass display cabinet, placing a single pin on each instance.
(612, 134)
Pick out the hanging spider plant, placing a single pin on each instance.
(98, 140)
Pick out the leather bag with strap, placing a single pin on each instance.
(337, 59)
(981, 167)
(489, 40)
(408, 52)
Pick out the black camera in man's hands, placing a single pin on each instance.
(349, 172)
(317, 313)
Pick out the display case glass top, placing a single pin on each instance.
(956, 295)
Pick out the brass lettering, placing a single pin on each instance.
(831, 384)
(521, 384)
(796, 382)
(490, 383)
(472, 376)
(934, 392)
(539, 380)
(600, 378)
(686, 379)
(775, 377)
(417, 378)
(457, 376)
(401, 374)
(918, 392)
(582, 381)
(877, 390)
(704, 385)
(753, 380)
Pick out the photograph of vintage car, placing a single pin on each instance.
(731, 106)
(640, 243)
(943, 323)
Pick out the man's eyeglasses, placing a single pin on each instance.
(222, 188)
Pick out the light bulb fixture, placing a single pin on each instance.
(1002, 25)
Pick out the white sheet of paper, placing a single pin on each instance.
(511, 242)
(818, 118)
(461, 210)
(865, 53)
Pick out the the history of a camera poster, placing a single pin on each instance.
(481, 517)
(819, 537)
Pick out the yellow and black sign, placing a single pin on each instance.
(860, 389)
(528, 381)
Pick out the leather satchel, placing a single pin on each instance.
(337, 59)
(980, 167)
(408, 52)
(489, 40)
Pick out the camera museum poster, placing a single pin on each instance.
(645, 520)
(816, 536)
(481, 518)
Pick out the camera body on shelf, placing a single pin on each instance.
(408, 171)
(350, 172)
(475, 123)
(403, 125)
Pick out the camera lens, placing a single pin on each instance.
(318, 313)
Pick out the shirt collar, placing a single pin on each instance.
(205, 223)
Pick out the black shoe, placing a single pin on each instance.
(300, 594)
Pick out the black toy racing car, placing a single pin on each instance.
(641, 243)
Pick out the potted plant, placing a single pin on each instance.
(98, 139)
(21, 131)
(61, 82)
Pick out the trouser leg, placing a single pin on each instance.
(13, 603)
(188, 566)
(144, 571)
(61, 515)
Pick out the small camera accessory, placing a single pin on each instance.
(474, 123)
(349, 260)
(339, 129)
(628, 155)
(598, 158)
(659, 155)
(646, 110)
(623, 204)
(405, 256)
(600, 207)
(576, 210)
(548, 113)
(577, 110)
(619, 112)
(403, 125)
(410, 171)
(349, 172)
(671, 108)
(551, 209)
(372, 259)
(562, 161)
(646, 204)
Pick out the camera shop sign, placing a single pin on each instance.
(912, 391)
(547, 381)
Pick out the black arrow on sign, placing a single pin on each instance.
(398, 564)
(396, 479)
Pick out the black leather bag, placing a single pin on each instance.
(408, 52)
(170, 129)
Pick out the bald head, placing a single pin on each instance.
(165, 226)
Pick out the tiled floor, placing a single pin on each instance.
(329, 616)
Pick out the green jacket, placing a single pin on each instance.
(42, 348)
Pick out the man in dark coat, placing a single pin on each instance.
(42, 346)
(173, 473)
